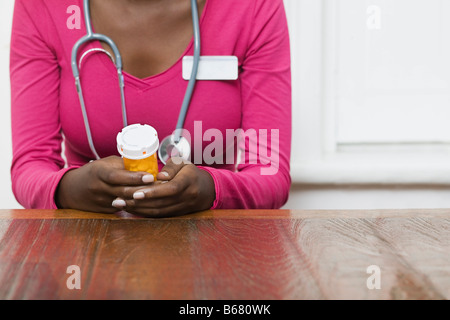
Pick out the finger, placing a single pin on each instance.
(127, 192)
(171, 188)
(162, 212)
(171, 169)
(124, 177)
(101, 203)
(112, 161)
(119, 203)
(152, 204)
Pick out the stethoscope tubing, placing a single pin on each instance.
(193, 79)
(91, 36)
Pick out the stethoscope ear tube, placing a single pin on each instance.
(85, 117)
(90, 36)
(176, 144)
(193, 79)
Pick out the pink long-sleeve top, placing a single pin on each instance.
(46, 111)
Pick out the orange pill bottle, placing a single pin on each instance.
(138, 145)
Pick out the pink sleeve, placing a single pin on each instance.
(266, 105)
(37, 165)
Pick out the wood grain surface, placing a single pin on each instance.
(226, 254)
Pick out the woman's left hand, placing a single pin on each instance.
(181, 188)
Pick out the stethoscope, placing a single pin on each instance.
(172, 145)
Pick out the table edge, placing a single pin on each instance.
(17, 214)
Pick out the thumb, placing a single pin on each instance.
(171, 169)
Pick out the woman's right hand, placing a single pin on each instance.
(95, 186)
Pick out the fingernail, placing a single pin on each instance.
(118, 203)
(164, 173)
(139, 195)
(148, 178)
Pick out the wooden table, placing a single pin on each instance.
(256, 254)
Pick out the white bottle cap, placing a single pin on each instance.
(137, 142)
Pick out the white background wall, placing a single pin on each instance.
(7, 200)
(370, 104)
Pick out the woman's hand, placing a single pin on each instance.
(181, 188)
(95, 186)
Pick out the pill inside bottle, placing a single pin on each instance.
(138, 145)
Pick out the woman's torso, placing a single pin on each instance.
(154, 88)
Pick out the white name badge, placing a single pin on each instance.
(212, 68)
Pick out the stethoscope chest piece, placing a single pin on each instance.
(170, 148)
